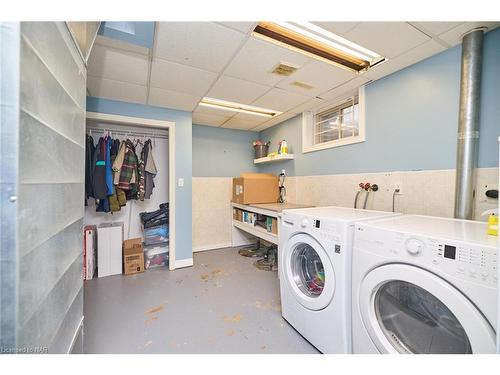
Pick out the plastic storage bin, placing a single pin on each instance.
(156, 256)
(156, 235)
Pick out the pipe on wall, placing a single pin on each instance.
(468, 122)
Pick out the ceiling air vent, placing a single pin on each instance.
(302, 85)
(284, 69)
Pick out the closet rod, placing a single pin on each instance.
(131, 133)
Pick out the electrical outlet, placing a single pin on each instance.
(180, 182)
(398, 186)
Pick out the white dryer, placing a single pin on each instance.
(315, 273)
(424, 285)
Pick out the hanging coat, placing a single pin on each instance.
(99, 180)
(150, 170)
(109, 172)
(128, 169)
(142, 177)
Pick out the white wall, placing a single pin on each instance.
(130, 213)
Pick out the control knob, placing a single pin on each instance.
(414, 246)
(304, 223)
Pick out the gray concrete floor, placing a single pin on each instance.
(221, 305)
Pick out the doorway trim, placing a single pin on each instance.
(158, 124)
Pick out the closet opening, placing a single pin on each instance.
(131, 202)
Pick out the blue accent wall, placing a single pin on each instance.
(183, 160)
(139, 33)
(411, 121)
(219, 152)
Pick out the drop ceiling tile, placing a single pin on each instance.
(409, 58)
(345, 88)
(338, 28)
(204, 45)
(321, 76)
(116, 90)
(172, 99)
(181, 78)
(210, 120)
(454, 36)
(389, 39)
(307, 106)
(244, 121)
(244, 27)
(118, 65)
(255, 61)
(280, 100)
(435, 28)
(237, 90)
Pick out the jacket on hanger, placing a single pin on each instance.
(109, 172)
(149, 169)
(99, 180)
(128, 168)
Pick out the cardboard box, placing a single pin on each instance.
(272, 225)
(255, 188)
(133, 256)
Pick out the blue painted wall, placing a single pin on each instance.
(219, 152)
(411, 121)
(139, 33)
(183, 159)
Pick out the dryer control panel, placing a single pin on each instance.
(332, 234)
(460, 259)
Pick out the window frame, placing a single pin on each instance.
(309, 124)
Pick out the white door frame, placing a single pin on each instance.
(158, 124)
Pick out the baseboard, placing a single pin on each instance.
(184, 263)
(212, 247)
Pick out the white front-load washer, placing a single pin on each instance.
(315, 273)
(424, 285)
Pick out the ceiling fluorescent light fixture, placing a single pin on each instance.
(314, 41)
(237, 107)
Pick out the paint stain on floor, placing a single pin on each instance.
(154, 310)
(230, 332)
(217, 272)
(268, 306)
(204, 277)
(151, 320)
(173, 344)
(147, 343)
(233, 319)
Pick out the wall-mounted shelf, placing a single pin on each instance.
(271, 159)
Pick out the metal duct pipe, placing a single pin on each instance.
(468, 122)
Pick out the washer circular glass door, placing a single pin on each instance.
(408, 310)
(309, 272)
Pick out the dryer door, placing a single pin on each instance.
(406, 309)
(308, 271)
